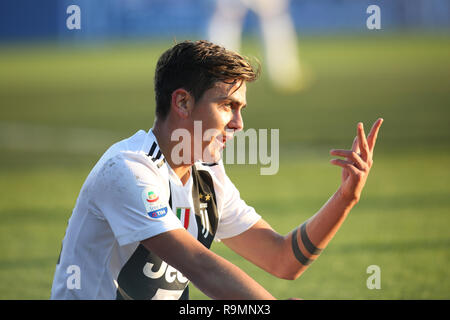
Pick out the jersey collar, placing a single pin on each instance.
(152, 150)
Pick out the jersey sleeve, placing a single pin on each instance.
(134, 199)
(236, 216)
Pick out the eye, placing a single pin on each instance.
(228, 106)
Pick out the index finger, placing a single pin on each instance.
(372, 137)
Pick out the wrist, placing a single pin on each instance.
(346, 200)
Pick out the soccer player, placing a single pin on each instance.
(150, 208)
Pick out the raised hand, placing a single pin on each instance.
(358, 162)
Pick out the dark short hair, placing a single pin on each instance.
(195, 67)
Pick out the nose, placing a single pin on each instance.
(236, 123)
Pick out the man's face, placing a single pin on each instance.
(219, 110)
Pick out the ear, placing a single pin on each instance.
(182, 103)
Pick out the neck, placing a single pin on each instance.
(163, 132)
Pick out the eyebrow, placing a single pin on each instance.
(233, 100)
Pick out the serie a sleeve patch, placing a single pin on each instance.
(154, 206)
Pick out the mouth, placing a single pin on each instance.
(221, 140)
(225, 138)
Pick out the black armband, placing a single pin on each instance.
(309, 246)
(312, 249)
(297, 252)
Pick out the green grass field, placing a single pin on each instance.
(61, 107)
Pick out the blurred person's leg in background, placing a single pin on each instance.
(225, 27)
(279, 37)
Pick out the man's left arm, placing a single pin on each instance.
(289, 256)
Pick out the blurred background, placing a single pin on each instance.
(74, 80)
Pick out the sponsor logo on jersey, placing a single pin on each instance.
(158, 213)
(170, 273)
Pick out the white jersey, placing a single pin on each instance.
(130, 195)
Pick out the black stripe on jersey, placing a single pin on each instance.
(152, 149)
(170, 196)
(210, 164)
(158, 155)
